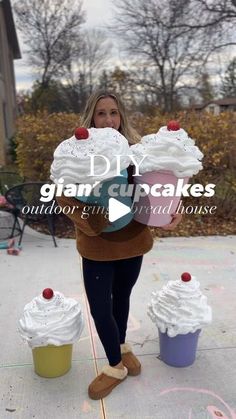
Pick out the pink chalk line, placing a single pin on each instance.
(196, 390)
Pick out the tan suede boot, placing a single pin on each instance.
(104, 383)
(129, 359)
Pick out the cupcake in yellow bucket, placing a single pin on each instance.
(50, 324)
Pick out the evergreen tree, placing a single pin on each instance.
(205, 88)
(229, 81)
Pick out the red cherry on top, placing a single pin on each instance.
(81, 133)
(173, 126)
(48, 293)
(186, 277)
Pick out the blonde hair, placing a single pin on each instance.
(125, 127)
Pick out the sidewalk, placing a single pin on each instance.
(204, 390)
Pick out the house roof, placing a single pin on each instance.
(221, 102)
(198, 106)
(225, 101)
(10, 26)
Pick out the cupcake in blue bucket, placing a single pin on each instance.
(90, 157)
(179, 310)
(105, 195)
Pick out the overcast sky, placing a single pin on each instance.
(98, 12)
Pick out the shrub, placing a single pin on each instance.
(37, 137)
(216, 138)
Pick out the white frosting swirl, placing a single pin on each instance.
(179, 308)
(56, 321)
(72, 160)
(168, 150)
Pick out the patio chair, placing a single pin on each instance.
(7, 181)
(28, 195)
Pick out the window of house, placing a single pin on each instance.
(223, 108)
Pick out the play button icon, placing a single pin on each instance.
(117, 209)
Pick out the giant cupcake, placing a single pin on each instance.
(180, 311)
(72, 157)
(96, 149)
(51, 323)
(170, 155)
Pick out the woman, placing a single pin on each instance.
(111, 261)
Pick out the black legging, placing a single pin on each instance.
(108, 287)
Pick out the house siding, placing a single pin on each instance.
(8, 107)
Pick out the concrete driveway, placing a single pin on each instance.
(207, 389)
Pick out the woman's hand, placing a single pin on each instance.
(176, 218)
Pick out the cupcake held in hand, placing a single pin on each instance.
(171, 158)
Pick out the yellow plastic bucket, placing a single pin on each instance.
(52, 361)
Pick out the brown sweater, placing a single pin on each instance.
(133, 240)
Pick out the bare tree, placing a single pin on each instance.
(170, 51)
(213, 12)
(213, 16)
(51, 29)
(83, 73)
(95, 52)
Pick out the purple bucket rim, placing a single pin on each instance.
(180, 334)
